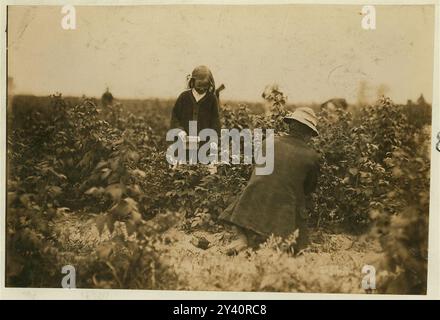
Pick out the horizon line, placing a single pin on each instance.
(261, 100)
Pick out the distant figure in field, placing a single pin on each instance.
(198, 103)
(275, 203)
(107, 98)
(331, 106)
(334, 103)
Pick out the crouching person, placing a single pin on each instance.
(275, 203)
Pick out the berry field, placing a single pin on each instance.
(90, 186)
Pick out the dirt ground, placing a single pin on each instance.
(331, 263)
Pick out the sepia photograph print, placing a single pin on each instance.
(282, 148)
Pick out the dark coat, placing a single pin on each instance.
(275, 203)
(205, 112)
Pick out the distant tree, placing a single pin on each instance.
(419, 112)
(421, 100)
(107, 98)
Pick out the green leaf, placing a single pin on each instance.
(139, 173)
(101, 221)
(131, 227)
(105, 173)
(353, 171)
(115, 191)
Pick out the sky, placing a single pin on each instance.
(313, 52)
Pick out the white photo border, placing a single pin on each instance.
(433, 288)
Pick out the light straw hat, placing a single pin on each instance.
(305, 116)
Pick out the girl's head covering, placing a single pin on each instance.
(202, 73)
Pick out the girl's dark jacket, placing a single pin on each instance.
(205, 112)
(275, 203)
